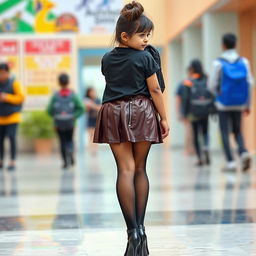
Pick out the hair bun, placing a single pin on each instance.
(132, 11)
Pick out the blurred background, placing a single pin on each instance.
(41, 39)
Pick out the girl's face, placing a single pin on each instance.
(138, 41)
(92, 94)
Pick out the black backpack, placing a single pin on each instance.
(201, 100)
(156, 56)
(64, 111)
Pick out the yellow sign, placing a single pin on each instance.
(44, 60)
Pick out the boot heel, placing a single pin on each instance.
(144, 243)
(134, 243)
(144, 248)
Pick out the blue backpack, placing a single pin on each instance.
(234, 87)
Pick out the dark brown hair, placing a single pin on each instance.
(63, 80)
(4, 66)
(132, 20)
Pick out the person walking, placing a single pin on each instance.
(11, 99)
(65, 107)
(196, 103)
(128, 119)
(230, 80)
(92, 106)
(188, 136)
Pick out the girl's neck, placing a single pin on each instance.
(123, 45)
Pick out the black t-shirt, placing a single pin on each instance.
(126, 71)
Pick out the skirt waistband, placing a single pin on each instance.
(128, 98)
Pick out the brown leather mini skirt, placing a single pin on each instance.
(131, 119)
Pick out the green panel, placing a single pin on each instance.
(51, 16)
(30, 7)
(24, 27)
(8, 4)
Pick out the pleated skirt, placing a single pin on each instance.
(131, 119)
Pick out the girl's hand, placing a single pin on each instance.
(164, 128)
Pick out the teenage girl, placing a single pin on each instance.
(92, 104)
(128, 119)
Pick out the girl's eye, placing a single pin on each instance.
(142, 35)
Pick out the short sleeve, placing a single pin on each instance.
(150, 65)
(102, 68)
(103, 63)
(178, 91)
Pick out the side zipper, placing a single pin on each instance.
(130, 114)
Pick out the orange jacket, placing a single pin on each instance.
(16, 98)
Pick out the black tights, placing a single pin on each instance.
(132, 184)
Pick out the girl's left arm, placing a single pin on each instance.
(157, 96)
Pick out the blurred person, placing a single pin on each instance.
(11, 99)
(65, 107)
(92, 106)
(196, 104)
(188, 140)
(128, 119)
(230, 80)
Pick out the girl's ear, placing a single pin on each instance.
(124, 37)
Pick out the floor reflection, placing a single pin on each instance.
(47, 211)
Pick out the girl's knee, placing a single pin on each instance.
(140, 169)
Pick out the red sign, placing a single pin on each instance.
(9, 47)
(48, 46)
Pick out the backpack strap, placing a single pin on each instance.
(225, 60)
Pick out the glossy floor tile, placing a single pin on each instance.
(191, 211)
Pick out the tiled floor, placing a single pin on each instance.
(191, 211)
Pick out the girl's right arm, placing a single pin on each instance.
(157, 96)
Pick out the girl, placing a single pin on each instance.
(128, 120)
(92, 104)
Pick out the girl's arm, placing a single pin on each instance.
(90, 104)
(157, 96)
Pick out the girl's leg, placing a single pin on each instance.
(189, 150)
(92, 146)
(140, 153)
(123, 154)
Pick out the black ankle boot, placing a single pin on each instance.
(134, 243)
(144, 241)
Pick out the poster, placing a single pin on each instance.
(57, 16)
(44, 60)
(10, 53)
